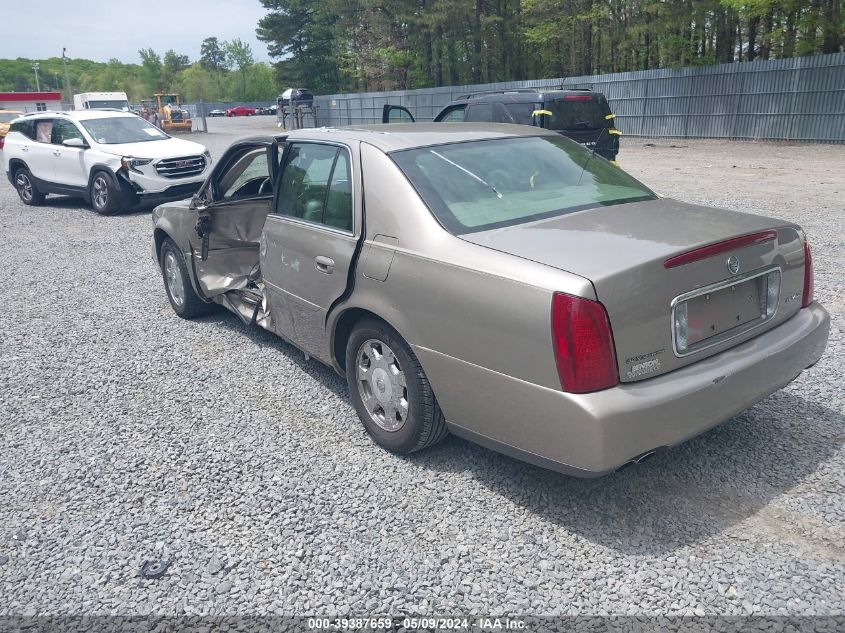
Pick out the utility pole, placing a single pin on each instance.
(67, 77)
(35, 67)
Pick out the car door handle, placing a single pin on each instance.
(324, 264)
(57, 152)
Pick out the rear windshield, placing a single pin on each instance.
(481, 185)
(124, 129)
(576, 113)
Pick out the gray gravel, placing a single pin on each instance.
(129, 435)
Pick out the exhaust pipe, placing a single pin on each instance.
(645, 456)
(639, 459)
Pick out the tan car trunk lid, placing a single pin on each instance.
(622, 250)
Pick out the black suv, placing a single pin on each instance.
(582, 115)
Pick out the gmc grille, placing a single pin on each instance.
(183, 167)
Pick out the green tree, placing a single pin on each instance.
(239, 56)
(303, 34)
(152, 70)
(197, 83)
(172, 65)
(213, 55)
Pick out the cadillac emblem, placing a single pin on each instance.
(733, 264)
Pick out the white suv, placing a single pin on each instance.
(113, 159)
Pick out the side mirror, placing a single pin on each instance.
(198, 200)
(75, 142)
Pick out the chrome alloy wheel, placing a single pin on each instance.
(100, 192)
(24, 185)
(382, 386)
(173, 278)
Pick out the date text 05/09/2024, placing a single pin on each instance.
(415, 623)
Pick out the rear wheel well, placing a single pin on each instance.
(343, 330)
(14, 165)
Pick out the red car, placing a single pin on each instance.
(240, 111)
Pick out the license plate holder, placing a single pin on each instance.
(719, 312)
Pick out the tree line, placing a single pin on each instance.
(351, 45)
(225, 71)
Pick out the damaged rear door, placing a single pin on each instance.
(231, 210)
(311, 239)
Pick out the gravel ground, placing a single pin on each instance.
(128, 434)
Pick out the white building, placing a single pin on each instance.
(31, 101)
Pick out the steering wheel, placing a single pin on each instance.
(266, 186)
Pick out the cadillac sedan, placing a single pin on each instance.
(500, 282)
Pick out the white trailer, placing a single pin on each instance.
(100, 100)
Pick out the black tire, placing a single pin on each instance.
(26, 188)
(190, 306)
(107, 195)
(424, 424)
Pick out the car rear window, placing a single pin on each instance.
(481, 185)
(25, 127)
(576, 113)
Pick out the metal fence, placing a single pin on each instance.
(801, 99)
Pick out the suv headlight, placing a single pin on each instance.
(132, 164)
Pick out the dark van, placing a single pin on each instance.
(582, 115)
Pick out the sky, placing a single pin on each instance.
(105, 29)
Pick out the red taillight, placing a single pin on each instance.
(577, 98)
(2, 141)
(720, 247)
(807, 297)
(583, 342)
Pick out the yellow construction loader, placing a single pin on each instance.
(171, 116)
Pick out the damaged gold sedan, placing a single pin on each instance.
(499, 282)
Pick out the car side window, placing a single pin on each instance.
(316, 185)
(500, 114)
(455, 115)
(43, 130)
(395, 115)
(479, 112)
(338, 211)
(27, 128)
(247, 176)
(64, 130)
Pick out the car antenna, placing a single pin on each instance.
(592, 153)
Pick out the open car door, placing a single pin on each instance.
(396, 114)
(231, 210)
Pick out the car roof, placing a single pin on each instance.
(81, 115)
(390, 137)
(522, 95)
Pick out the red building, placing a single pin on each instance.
(30, 101)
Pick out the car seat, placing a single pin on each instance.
(313, 211)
